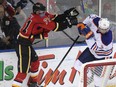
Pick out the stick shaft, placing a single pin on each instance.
(61, 61)
(32, 1)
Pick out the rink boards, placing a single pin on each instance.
(66, 75)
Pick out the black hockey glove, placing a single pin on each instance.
(71, 12)
(71, 21)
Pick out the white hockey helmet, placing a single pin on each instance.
(104, 25)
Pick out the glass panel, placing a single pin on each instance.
(109, 9)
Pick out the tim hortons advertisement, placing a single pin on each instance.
(64, 76)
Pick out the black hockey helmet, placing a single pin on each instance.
(38, 7)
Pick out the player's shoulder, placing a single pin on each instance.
(90, 19)
(107, 38)
(92, 16)
(34, 17)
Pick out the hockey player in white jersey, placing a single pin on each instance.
(98, 39)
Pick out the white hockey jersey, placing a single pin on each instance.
(101, 45)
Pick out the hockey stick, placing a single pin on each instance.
(72, 38)
(114, 74)
(68, 36)
(32, 2)
(37, 42)
(61, 62)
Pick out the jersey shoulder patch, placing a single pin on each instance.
(107, 38)
(95, 21)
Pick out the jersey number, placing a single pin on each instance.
(26, 26)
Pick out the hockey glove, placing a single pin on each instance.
(84, 30)
(71, 12)
(71, 21)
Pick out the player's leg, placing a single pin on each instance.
(34, 70)
(86, 56)
(24, 58)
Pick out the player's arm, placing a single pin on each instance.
(61, 22)
(68, 18)
(84, 30)
(72, 12)
(55, 26)
(89, 19)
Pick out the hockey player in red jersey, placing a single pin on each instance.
(38, 25)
